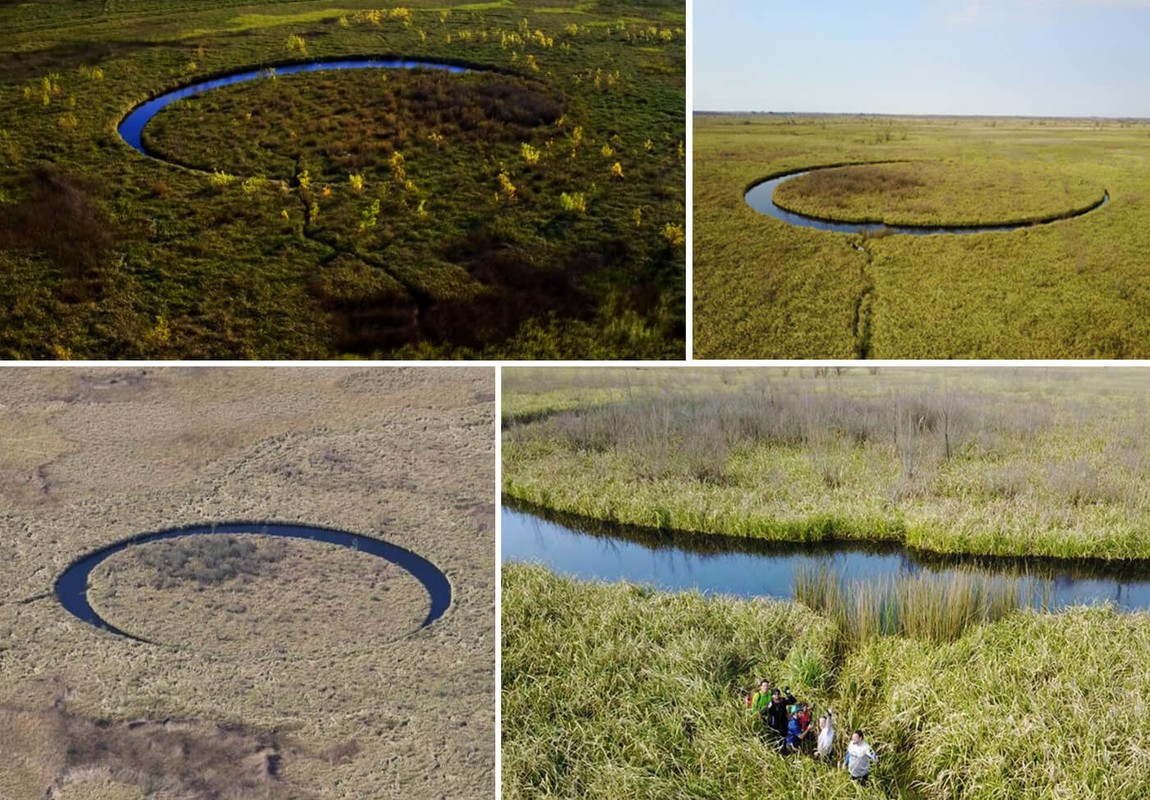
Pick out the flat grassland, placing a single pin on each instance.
(616, 691)
(1071, 289)
(1009, 462)
(281, 668)
(532, 208)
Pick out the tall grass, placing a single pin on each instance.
(917, 606)
(673, 433)
(616, 691)
(620, 692)
(1021, 463)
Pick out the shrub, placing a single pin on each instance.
(575, 202)
(208, 560)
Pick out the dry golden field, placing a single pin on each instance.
(310, 677)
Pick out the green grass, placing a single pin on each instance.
(995, 462)
(1070, 289)
(959, 193)
(441, 261)
(617, 691)
(599, 681)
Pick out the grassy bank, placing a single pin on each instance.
(995, 462)
(1071, 289)
(532, 210)
(616, 691)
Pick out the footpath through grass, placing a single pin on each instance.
(614, 691)
(1072, 289)
(1019, 462)
(534, 208)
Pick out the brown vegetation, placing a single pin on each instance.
(306, 638)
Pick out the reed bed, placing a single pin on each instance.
(1004, 462)
(613, 691)
(919, 606)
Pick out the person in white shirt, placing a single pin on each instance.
(826, 740)
(859, 758)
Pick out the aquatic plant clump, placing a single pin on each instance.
(389, 213)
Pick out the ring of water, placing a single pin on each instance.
(760, 197)
(71, 587)
(131, 127)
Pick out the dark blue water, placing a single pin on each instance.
(132, 126)
(761, 198)
(745, 568)
(72, 585)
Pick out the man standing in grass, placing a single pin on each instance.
(762, 698)
(826, 741)
(777, 717)
(859, 758)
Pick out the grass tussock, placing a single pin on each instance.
(913, 606)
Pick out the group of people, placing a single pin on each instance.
(788, 723)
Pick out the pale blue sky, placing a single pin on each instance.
(1015, 57)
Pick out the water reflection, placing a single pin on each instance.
(747, 568)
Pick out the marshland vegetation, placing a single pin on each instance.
(960, 194)
(620, 691)
(1006, 462)
(366, 214)
(1070, 289)
(265, 649)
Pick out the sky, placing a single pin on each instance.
(995, 57)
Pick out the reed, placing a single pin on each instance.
(918, 606)
(991, 462)
(613, 691)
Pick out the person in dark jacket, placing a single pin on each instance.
(777, 717)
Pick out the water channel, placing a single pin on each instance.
(589, 550)
(72, 585)
(131, 128)
(761, 198)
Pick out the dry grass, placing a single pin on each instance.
(324, 598)
(401, 454)
(996, 462)
(166, 758)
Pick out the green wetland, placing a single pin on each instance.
(1072, 288)
(621, 690)
(532, 207)
(614, 691)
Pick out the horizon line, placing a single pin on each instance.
(912, 114)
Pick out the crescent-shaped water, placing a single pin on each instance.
(761, 198)
(711, 563)
(72, 585)
(132, 126)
